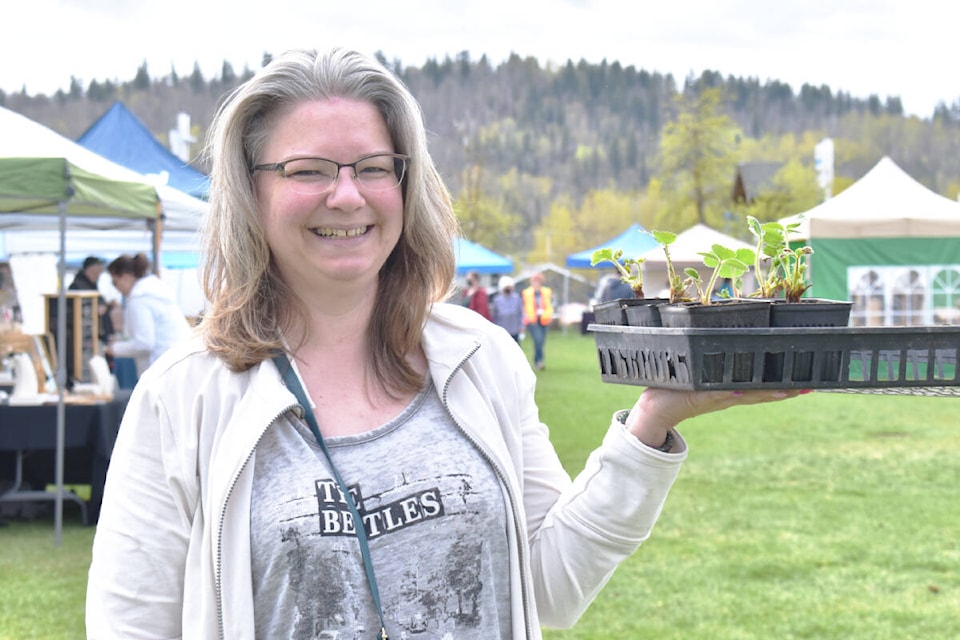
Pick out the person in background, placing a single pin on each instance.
(338, 452)
(152, 319)
(616, 289)
(507, 308)
(476, 296)
(86, 279)
(537, 316)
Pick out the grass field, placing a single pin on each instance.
(831, 516)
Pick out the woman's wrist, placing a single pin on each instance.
(655, 437)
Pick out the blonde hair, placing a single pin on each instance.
(250, 306)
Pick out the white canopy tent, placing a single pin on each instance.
(885, 203)
(685, 252)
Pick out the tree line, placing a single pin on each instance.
(545, 160)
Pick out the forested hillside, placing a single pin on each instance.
(543, 161)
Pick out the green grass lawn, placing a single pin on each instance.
(827, 516)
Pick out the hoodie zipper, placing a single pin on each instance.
(503, 481)
(223, 512)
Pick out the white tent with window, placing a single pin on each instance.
(889, 244)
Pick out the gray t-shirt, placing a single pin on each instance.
(434, 516)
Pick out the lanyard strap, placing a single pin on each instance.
(293, 383)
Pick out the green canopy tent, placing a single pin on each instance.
(38, 191)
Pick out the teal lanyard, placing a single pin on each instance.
(293, 383)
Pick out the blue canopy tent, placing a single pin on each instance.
(635, 242)
(474, 257)
(119, 136)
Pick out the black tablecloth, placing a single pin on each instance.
(89, 434)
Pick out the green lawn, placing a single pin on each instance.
(828, 516)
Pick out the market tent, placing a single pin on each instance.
(176, 237)
(119, 136)
(21, 137)
(474, 257)
(889, 244)
(684, 253)
(634, 241)
(65, 191)
(885, 203)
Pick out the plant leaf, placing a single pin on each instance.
(664, 237)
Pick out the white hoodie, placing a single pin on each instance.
(171, 556)
(152, 322)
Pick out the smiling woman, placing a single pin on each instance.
(339, 450)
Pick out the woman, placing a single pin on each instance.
(329, 244)
(507, 308)
(475, 296)
(152, 319)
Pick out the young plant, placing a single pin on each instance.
(771, 239)
(794, 264)
(678, 286)
(628, 268)
(787, 266)
(726, 263)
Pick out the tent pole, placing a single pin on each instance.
(157, 225)
(61, 373)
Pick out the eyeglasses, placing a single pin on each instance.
(378, 172)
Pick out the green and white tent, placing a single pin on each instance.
(48, 182)
(889, 244)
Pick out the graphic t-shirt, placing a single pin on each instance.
(434, 517)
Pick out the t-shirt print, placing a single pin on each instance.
(434, 516)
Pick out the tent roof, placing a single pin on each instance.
(474, 257)
(634, 241)
(119, 136)
(885, 202)
(21, 137)
(40, 186)
(689, 244)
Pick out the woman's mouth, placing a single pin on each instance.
(330, 232)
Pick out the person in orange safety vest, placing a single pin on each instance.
(537, 315)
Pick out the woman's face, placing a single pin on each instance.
(341, 237)
(124, 282)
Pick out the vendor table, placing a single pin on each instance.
(29, 433)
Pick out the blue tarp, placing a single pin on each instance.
(474, 257)
(119, 136)
(635, 242)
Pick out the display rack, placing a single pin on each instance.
(83, 331)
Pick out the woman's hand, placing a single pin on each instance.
(659, 410)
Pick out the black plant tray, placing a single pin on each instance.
(897, 359)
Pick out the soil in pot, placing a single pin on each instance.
(722, 314)
(808, 312)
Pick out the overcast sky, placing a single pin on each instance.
(905, 48)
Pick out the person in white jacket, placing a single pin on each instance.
(338, 453)
(152, 319)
